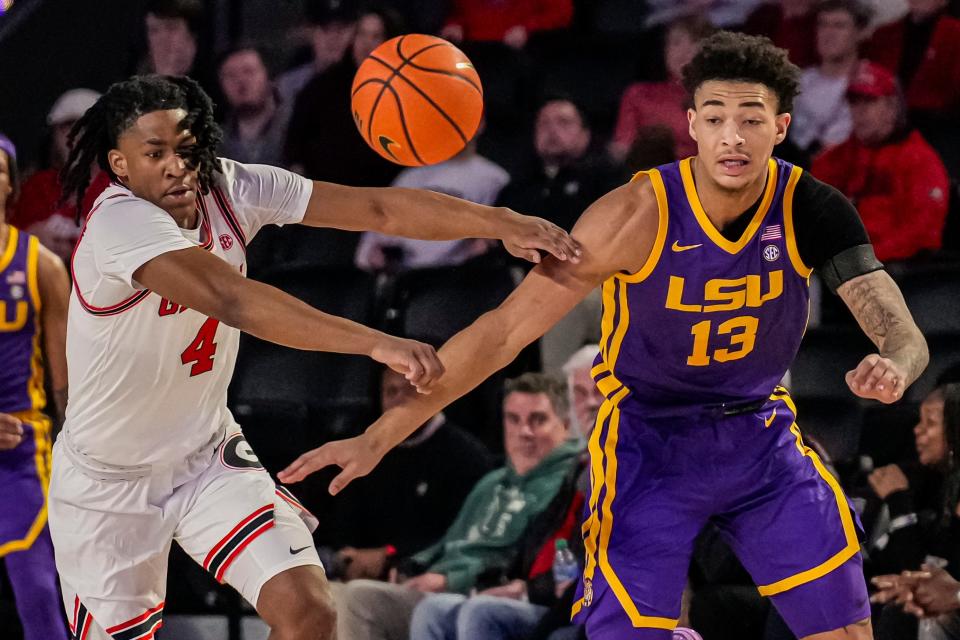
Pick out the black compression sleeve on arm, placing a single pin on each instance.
(848, 264)
(830, 235)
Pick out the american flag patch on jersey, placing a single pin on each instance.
(772, 232)
(17, 277)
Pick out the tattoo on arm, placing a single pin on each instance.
(877, 304)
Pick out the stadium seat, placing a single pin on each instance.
(319, 382)
(825, 356)
(834, 422)
(933, 297)
(887, 433)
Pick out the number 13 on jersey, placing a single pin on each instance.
(201, 351)
(743, 336)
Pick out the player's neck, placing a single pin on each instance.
(723, 206)
(4, 230)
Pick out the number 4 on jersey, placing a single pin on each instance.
(200, 352)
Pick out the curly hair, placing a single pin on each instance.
(97, 131)
(742, 58)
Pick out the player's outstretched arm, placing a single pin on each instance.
(877, 304)
(426, 215)
(616, 233)
(54, 285)
(196, 279)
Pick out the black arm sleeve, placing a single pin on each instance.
(831, 237)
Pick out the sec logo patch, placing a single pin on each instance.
(226, 241)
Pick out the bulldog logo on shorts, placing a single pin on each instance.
(237, 454)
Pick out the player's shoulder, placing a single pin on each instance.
(632, 203)
(811, 192)
(118, 202)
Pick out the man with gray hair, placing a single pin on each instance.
(585, 397)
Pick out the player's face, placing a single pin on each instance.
(244, 80)
(586, 399)
(151, 159)
(930, 438)
(736, 126)
(837, 35)
(531, 429)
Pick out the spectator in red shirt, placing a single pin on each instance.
(507, 21)
(792, 25)
(39, 210)
(662, 103)
(923, 49)
(888, 170)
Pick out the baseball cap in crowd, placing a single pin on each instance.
(324, 12)
(7, 145)
(71, 105)
(872, 81)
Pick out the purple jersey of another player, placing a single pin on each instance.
(707, 320)
(21, 380)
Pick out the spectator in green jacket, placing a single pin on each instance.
(486, 535)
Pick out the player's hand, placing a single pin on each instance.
(525, 236)
(887, 480)
(418, 362)
(11, 431)
(877, 378)
(355, 456)
(427, 583)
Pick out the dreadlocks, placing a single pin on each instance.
(96, 133)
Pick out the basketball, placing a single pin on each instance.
(417, 100)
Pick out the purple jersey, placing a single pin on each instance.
(706, 320)
(21, 380)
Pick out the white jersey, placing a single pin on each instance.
(148, 378)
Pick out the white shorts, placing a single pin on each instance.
(112, 528)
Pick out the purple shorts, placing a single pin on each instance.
(656, 481)
(24, 477)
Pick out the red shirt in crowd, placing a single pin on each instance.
(901, 190)
(798, 35)
(652, 103)
(935, 85)
(487, 20)
(40, 198)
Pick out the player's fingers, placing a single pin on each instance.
(9, 440)
(344, 478)
(433, 368)
(414, 368)
(307, 464)
(874, 376)
(10, 423)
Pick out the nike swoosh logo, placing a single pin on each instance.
(385, 142)
(294, 552)
(769, 421)
(678, 247)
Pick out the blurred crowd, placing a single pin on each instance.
(454, 535)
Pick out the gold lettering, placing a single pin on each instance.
(18, 322)
(729, 300)
(675, 297)
(775, 290)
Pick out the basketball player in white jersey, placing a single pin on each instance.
(150, 453)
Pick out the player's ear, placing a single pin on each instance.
(691, 118)
(117, 162)
(782, 122)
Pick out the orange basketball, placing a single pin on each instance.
(417, 100)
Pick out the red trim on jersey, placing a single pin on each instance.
(110, 310)
(226, 538)
(231, 217)
(243, 545)
(205, 229)
(73, 621)
(135, 621)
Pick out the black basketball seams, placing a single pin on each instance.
(403, 124)
(365, 83)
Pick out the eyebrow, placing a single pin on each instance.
(720, 103)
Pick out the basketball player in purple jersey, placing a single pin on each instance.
(704, 265)
(34, 289)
